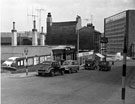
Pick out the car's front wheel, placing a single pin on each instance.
(62, 72)
(52, 73)
(39, 74)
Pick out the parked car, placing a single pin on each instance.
(70, 66)
(10, 62)
(51, 68)
(104, 66)
(90, 65)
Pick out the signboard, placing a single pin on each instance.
(26, 51)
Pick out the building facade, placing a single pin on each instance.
(65, 33)
(62, 33)
(118, 27)
(89, 38)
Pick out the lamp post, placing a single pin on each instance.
(26, 52)
(78, 48)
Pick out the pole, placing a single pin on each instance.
(26, 66)
(26, 52)
(78, 48)
(40, 10)
(124, 70)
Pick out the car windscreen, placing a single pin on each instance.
(66, 62)
(103, 63)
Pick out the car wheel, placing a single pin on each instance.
(39, 74)
(76, 71)
(52, 73)
(69, 71)
(62, 72)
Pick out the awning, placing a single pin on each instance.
(100, 55)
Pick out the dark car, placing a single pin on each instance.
(104, 66)
(90, 65)
(51, 68)
(70, 66)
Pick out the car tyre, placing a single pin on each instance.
(39, 74)
(52, 73)
(62, 72)
(69, 71)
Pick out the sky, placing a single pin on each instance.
(94, 11)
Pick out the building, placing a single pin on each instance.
(118, 26)
(62, 33)
(65, 33)
(89, 38)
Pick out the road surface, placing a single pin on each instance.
(84, 87)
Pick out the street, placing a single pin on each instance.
(84, 87)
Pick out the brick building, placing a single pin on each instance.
(65, 33)
(89, 38)
(62, 33)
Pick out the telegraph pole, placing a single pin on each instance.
(40, 10)
(124, 67)
(34, 16)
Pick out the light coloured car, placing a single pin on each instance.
(70, 66)
(10, 62)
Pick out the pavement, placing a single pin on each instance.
(30, 74)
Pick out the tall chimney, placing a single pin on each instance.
(42, 37)
(34, 36)
(49, 22)
(14, 35)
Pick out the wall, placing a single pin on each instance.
(18, 51)
(131, 28)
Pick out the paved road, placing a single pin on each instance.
(84, 87)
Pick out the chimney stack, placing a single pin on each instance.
(34, 36)
(42, 37)
(49, 22)
(14, 35)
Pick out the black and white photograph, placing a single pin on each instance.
(67, 51)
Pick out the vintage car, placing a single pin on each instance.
(51, 68)
(10, 63)
(90, 65)
(104, 66)
(70, 66)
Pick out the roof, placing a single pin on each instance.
(64, 23)
(89, 29)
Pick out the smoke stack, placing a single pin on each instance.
(79, 24)
(42, 37)
(14, 35)
(49, 22)
(34, 36)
